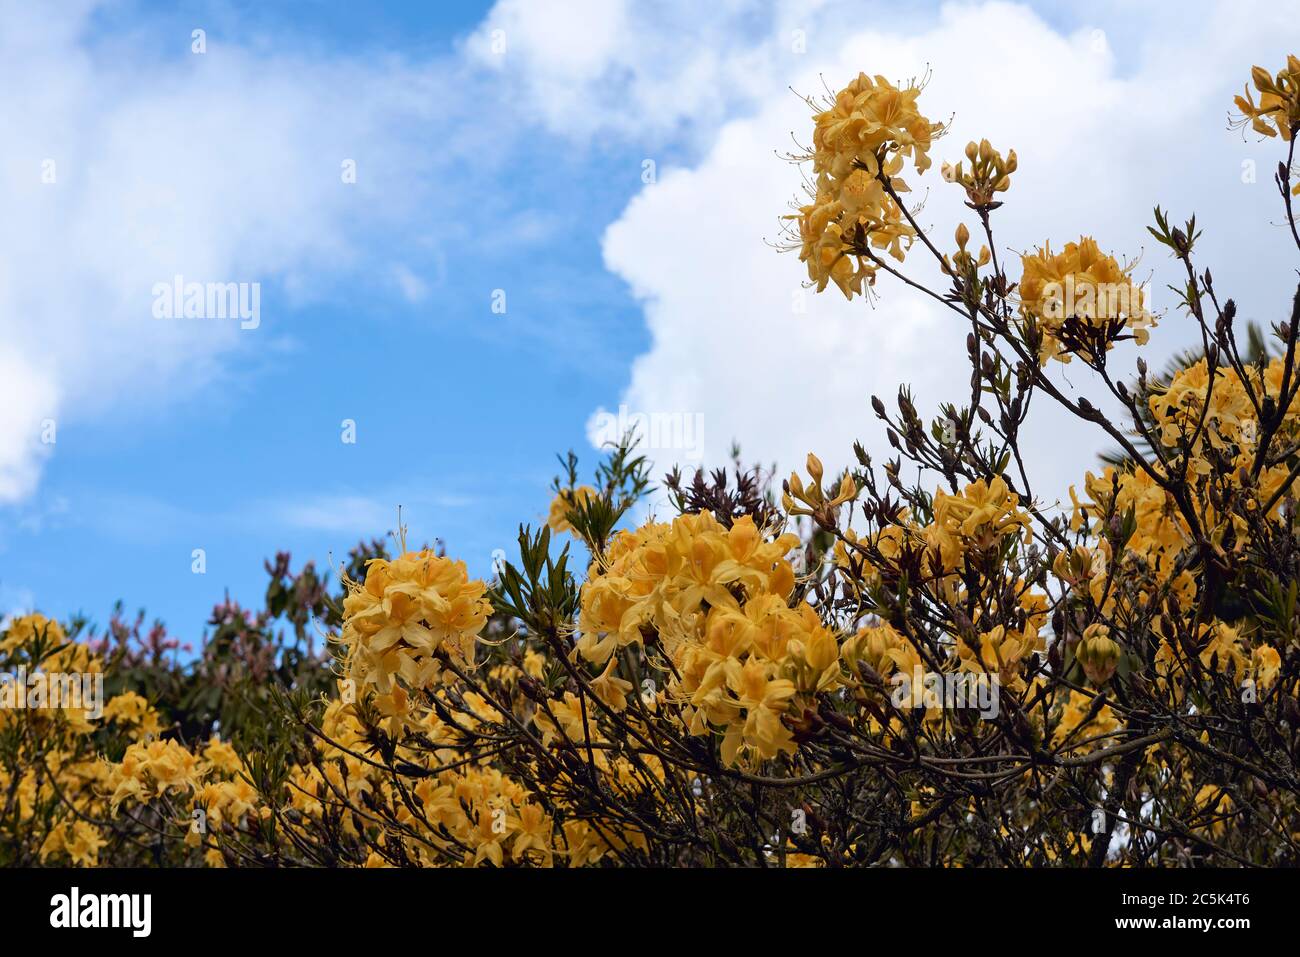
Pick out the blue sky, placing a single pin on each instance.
(520, 171)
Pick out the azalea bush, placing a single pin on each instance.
(736, 672)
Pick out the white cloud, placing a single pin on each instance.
(1100, 141)
(593, 67)
(28, 396)
(217, 167)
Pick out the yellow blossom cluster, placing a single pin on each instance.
(27, 628)
(660, 575)
(1001, 652)
(1160, 532)
(564, 502)
(1084, 722)
(1278, 111)
(740, 675)
(1231, 425)
(80, 841)
(979, 517)
(982, 515)
(881, 648)
(989, 172)
(1228, 427)
(154, 769)
(458, 811)
(133, 712)
(407, 611)
(860, 143)
(717, 601)
(1081, 294)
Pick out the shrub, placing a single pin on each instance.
(852, 669)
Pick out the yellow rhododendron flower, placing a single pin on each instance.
(860, 142)
(1081, 295)
(27, 628)
(988, 175)
(79, 840)
(1278, 111)
(406, 610)
(563, 504)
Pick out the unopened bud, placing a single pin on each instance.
(1098, 653)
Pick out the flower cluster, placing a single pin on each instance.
(1082, 300)
(860, 144)
(154, 769)
(1278, 112)
(564, 502)
(26, 629)
(988, 175)
(977, 518)
(716, 600)
(406, 612)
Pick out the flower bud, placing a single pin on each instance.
(1098, 653)
(815, 468)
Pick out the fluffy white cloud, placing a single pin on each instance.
(1107, 120)
(642, 71)
(27, 398)
(216, 167)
